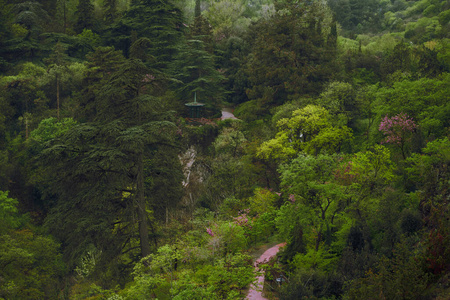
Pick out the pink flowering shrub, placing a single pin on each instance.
(292, 198)
(209, 231)
(397, 130)
(242, 219)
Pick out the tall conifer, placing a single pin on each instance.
(85, 15)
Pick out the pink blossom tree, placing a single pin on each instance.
(398, 130)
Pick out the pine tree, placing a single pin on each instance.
(289, 54)
(198, 11)
(110, 11)
(57, 63)
(85, 16)
(101, 185)
(197, 74)
(160, 21)
(102, 63)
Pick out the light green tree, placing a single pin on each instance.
(309, 130)
(318, 198)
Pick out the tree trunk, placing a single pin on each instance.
(141, 209)
(57, 96)
(197, 11)
(319, 239)
(167, 214)
(26, 128)
(64, 16)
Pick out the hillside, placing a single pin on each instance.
(111, 187)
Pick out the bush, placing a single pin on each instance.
(312, 284)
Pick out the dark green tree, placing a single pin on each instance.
(6, 20)
(198, 11)
(110, 11)
(85, 15)
(57, 64)
(358, 15)
(33, 16)
(160, 21)
(31, 20)
(290, 55)
(104, 162)
(196, 72)
(101, 63)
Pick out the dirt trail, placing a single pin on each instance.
(255, 292)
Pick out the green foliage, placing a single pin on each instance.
(101, 63)
(306, 284)
(231, 141)
(8, 212)
(358, 15)
(262, 202)
(30, 264)
(436, 154)
(126, 149)
(110, 11)
(263, 227)
(339, 100)
(425, 100)
(51, 128)
(250, 111)
(322, 260)
(231, 237)
(85, 16)
(429, 173)
(227, 17)
(291, 54)
(372, 167)
(32, 15)
(226, 278)
(90, 38)
(159, 21)
(108, 185)
(400, 277)
(22, 92)
(87, 263)
(6, 20)
(309, 130)
(195, 68)
(232, 274)
(318, 200)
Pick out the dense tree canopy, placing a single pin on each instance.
(325, 125)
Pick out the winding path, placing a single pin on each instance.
(227, 113)
(255, 292)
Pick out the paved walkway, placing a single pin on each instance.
(255, 292)
(227, 113)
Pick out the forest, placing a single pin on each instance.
(112, 189)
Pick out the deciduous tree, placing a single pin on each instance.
(398, 130)
(309, 130)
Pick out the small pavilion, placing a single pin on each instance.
(195, 108)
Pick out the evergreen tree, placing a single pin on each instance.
(101, 182)
(33, 16)
(102, 63)
(290, 54)
(198, 10)
(160, 21)
(57, 65)
(197, 74)
(110, 11)
(85, 16)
